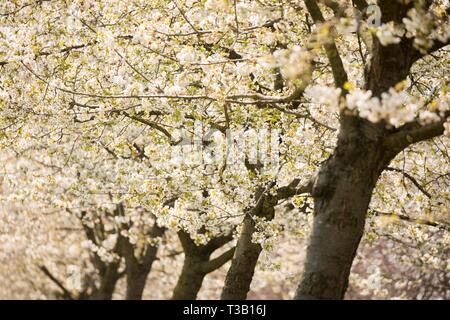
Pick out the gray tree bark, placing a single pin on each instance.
(197, 264)
(138, 263)
(242, 269)
(342, 194)
(108, 281)
(190, 280)
(108, 272)
(137, 271)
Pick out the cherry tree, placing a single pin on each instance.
(350, 92)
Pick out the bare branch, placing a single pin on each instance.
(293, 189)
(339, 73)
(216, 263)
(441, 225)
(412, 179)
(414, 132)
(66, 293)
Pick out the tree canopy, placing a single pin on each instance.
(188, 147)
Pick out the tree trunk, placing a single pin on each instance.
(190, 280)
(108, 283)
(136, 284)
(105, 293)
(137, 270)
(342, 193)
(240, 274)
(197, 264)
(242, 269)
(345, 183)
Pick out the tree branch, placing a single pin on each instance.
(186, 242)
(437, 45)
(151, 124)
(414, 132)
(66, 293)
(337, 67)
(218, 242)
(216, 263)
(412, 179)
(293, 189)
(441, 225)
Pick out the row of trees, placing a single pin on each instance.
(141, 131)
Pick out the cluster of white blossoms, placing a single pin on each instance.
(388, 34)
(425, 27)
(447, 127)
(394, 107)
(294, 62)
(397, 107)
(323, 95)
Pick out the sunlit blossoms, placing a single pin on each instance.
(224, 149)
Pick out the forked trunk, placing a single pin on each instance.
(136, 284)
(190, 280)
(108, 283)
(197, 264)
(137, 271)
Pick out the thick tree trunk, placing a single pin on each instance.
(242, 269)
(342, 193)
(344, 186)
(190, 280)
(105, 293)
(240, 274)
(197, 264)
(108, 283)
(136, 284)
(137, 270)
